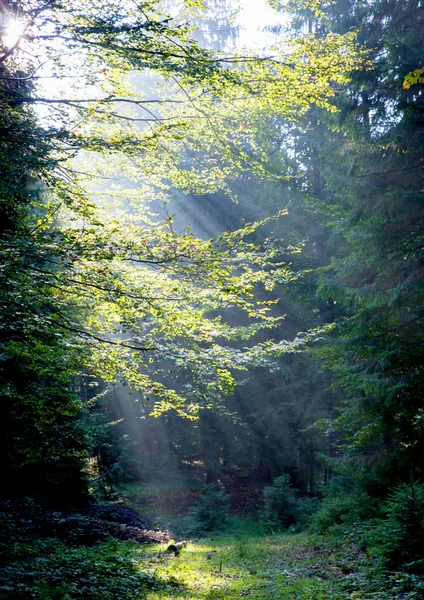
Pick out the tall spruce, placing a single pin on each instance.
(370, 206)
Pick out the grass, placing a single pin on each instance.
(242, 562)
(257, 566)
(247, 562)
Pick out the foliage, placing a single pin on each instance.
(94, 283)
(416, 76)
(50, 570)
(398, 540)
(121, 295)
(210, 512)
(379, 278)
(98, 284)
(342, 509)
(279, 504)
(284, 509)
(305, 512)
(277, 567)
(357, 190)
(123, 319)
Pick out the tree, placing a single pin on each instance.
(93, 292)
(371, 175)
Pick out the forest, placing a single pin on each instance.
(211, 291)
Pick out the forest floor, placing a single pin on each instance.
(241, 564)
(62, 563)
(246, 561)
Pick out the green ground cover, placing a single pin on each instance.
(235, 564)
(245, 560)
(259, 566)
(242, 560)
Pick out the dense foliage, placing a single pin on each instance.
(351, 180)
(210, 512)
(101, 287)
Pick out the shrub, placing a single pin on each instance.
(47, 592)
(398, 540)
(279, 504)
(51, 570)
(343, 509)
(304, 512)
(210, 512)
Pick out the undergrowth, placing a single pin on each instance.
(378, 559)
(49, 569)
(271, 567)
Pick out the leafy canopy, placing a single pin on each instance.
(104, 287)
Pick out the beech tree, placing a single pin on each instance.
(95, 286)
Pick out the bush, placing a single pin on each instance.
(279, 504)
(398, 540)
(50, 570)
(304, 512)
(210, 512)
(341, 509)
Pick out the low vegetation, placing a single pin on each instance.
(69, 557)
